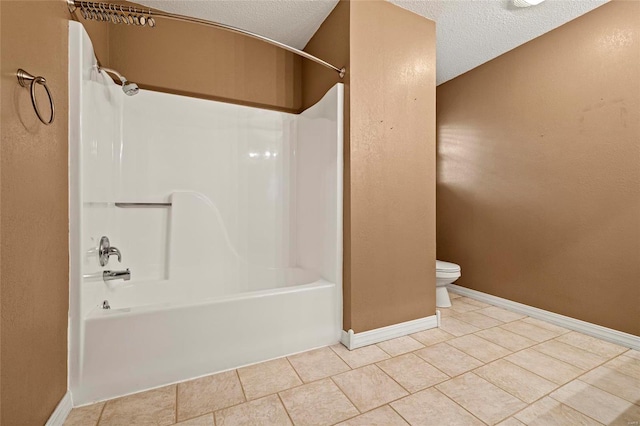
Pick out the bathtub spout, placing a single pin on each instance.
(116, 275)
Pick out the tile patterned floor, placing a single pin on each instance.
(485, 365)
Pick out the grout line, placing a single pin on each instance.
(101, 411)
(402, 397)
(340, 356)
(285, 408)
(176, 415)
(388, 404)
(460, 405)
(397, 382)
(244, 394)
(294, 370)
(346, 396)
(357, 415)
(584, 414)
(430, 364)
(392, 356)
(398, 413)
(363, 365)
(205, 414)
(454, 314)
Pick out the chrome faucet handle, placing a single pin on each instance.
(113, 250)
(105, 251)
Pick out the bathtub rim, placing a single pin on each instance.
(100, 314)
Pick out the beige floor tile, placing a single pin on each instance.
(361, 356)
(614, 382)
(318, 364)
(530, 331)
(474, 302)
(519, 382)
(548, 412)
(369, 387)
(546, 325)
(383, 416)
(263, 411)
(210, 393)
(597, 404)
(484, 400)
(453, 295)
(456, 327)
(448, 359)
(206, 420)
(154, 407)
(446, 312)
(570, 354)
(506, 339)
(591, 344)
(550, 368)
(632, 353)
(431, 408)
(501, 314)
(412, 372)
(84, 416)
(400, 345)
(458, 305)
(625, 365)
(479, 348)
(318, 403)
(478, 320)
(511, 421)
(267, 378)
(432, 336)
(481, 398)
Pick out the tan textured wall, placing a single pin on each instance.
(194, 60)
(392, 165)
(389, 227)
(539, 171)
(33, 215)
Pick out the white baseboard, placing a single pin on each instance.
(357, 340)
(61, 412)
(604, 333)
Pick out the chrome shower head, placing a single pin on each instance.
(128, 87)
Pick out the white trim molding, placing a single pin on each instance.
(61, 412)
(604, 333)
(357, 340)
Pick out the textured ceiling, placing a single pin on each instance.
(469, 32)
(472, 32)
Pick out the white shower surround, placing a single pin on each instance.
(246, 263)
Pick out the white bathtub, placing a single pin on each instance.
(239, 262)
(137, 348)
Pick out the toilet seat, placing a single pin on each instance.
(448, 267)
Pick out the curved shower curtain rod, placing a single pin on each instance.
(115, 9)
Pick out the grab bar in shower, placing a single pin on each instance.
(133, 205)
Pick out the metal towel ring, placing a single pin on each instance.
(24, 78)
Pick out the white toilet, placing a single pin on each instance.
(446, 273)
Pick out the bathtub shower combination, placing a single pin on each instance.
(229, 219)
